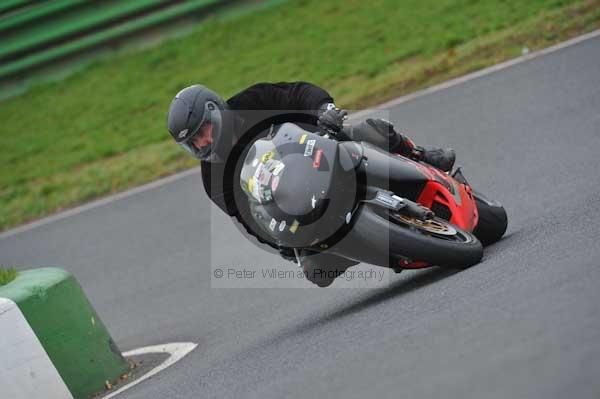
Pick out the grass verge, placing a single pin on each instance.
(7, 275)
(102, 130)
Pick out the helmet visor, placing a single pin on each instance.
(186, 139)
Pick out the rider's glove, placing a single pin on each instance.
(332, 119)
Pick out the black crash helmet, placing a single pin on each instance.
(190, 109)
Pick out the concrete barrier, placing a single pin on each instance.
(27, 371)
(52, 342)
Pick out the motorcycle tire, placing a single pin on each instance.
(492, 220)
(455, 248)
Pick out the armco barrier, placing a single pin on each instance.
(46, 308)
(23, 65)
(42, 34)
(31, 15)
(8, 6)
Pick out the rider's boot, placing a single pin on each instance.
(322, 269)
(322, 276)
(381, 133)
(441, 158)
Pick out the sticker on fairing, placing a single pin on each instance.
(317, 161)
(258, 170)
(310, 146)
(256, 196)
(294, 226)
(274, 183)
(303, 138)
(256, 192)
(264, 177)
(267, 195)
(273, 224)
(262, 174)
(278, 169)
(282, 225)
(271, 164)
(266, 156)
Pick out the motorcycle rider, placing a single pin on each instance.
(217, 132)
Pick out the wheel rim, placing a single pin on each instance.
(431, 225)
(434, 227)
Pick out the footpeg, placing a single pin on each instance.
(401, 205)
(417, 211)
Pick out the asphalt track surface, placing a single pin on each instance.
(525, 323)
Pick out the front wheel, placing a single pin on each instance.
(379, 236)
(446, 244)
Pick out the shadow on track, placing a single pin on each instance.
(398, 288)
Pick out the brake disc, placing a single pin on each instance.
(431, 226)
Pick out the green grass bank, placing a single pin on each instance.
(7, 275)
(102, 130)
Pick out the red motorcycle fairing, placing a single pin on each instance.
(445, 196)
(448, 199)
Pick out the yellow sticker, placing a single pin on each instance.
(251, 184)
(303, 138)
(266, 156)
(294, 226)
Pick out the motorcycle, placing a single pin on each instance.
(311, 192)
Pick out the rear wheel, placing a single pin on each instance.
(492, 219)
